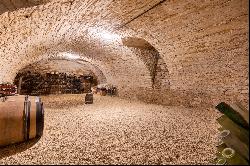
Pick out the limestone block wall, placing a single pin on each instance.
(149, 58)
(10, 5)
(162, 78)
(44, 35)
(205, 46)
(202, 45)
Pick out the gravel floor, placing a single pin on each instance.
(117, 131)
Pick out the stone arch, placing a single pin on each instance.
(152, 59)
(63, 65)
(120, 65)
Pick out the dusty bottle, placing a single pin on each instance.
(232, 157)
(234, 143)
(221, 161)
(220, 146)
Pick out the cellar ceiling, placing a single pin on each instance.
(11, 5)
(202, 45)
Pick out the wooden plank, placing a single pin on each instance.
(11, 123)
(241, 110)
(236, 130)
(232, 114)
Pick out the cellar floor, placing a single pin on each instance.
(118, 131)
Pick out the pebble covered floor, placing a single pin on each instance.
(118, 131)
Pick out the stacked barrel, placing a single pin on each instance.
(21, 119)
(233, 140)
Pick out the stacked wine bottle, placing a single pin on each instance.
(233, 140)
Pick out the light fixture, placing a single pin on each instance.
(68, 55)
(102, 34)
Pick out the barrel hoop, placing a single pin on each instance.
(26, 127)
(39, 119)
(26, 120)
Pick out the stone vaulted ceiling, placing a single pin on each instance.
(203, 45)
(11, 5)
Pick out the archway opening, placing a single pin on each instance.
(58, 76)
(152, 59)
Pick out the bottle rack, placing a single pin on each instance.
(233, 140)
(56, 83)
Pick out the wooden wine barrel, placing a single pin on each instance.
(21, 119)
(89, 98)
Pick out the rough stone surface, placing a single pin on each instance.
(117, 131)
(204, 45)
(11, 5)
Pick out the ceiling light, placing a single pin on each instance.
(68, 55)
(103, 34)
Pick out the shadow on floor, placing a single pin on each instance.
(13, 149)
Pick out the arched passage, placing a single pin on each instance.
(152, 59)
(199, 56)
(58, 76)
(120, 65)
(192, 57)
(70, 66)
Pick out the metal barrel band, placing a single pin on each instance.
(26, 118)
(39, 119)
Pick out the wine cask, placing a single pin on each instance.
(21, 119)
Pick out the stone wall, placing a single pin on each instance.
(205, 47)
(202, 45)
